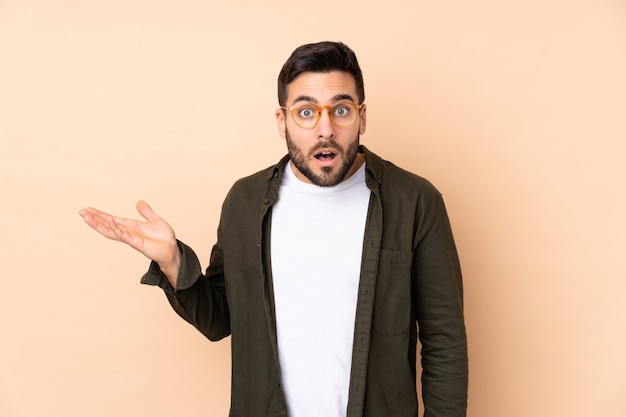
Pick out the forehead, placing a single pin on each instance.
(322, 87)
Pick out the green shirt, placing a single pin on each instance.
(410, 279)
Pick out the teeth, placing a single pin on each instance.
(325, 154)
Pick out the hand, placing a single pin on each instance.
(154, 237)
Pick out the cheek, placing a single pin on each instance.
(353, 135)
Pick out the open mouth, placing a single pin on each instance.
(325, 156)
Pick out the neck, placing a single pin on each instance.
(358, 162)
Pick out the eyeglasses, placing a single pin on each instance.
(307, 115)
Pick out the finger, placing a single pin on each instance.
(96, 214)
(146, 211)
(119, 232)
(90, 211)
(92, 215)
(103, 224)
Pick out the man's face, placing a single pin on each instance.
(326, 154)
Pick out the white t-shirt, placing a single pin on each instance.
(316, 247)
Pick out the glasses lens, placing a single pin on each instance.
(305, 115)
(343, 114)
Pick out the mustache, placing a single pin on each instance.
(326, 145)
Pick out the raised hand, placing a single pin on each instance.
(154, 237)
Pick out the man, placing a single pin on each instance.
(324, 264)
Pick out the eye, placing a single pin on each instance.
(342, 110)
(306, 112)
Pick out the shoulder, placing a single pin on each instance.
(253, 181)
(395, 180)
(400, 176)
(258, 184)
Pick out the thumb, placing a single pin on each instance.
(146, 211)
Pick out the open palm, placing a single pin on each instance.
(154, 237)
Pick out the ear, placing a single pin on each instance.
(362, 116)
(280, 122)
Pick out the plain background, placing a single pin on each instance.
(514, 109)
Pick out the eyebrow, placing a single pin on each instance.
(338, 97)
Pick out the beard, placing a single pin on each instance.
(328, 177)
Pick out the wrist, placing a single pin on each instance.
(171, 267)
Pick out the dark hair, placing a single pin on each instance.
(320, 57)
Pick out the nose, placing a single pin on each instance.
(325, 127)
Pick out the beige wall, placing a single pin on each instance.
(514, 109)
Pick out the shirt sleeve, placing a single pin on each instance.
(198, 298)
(439, 309)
